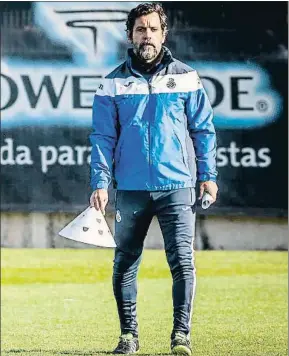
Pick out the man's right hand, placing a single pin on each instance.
(99, 199)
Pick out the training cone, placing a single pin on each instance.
(89, 227)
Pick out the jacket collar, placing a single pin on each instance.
(166, 60)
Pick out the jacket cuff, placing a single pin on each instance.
(207, 177)
(100, 185)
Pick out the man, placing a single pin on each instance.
(143, 114)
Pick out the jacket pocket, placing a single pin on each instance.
(120, 143)
(126, 106)
(183, 153)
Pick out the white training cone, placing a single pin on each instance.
(206, 200)
(89, 227)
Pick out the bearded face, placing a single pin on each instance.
(147, 37)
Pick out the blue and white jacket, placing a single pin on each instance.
(140, 129)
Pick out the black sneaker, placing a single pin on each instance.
(128, 344)
(181, 345)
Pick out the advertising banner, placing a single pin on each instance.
(46, 114)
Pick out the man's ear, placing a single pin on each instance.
(164, 37)
(129, 39)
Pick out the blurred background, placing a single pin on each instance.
(53, 55)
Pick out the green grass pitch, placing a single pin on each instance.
(60, 302)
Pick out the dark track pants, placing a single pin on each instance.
(175, 210)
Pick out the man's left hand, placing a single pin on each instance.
(210, 187)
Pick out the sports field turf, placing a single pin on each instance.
(60, 302)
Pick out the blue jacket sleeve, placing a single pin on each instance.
(103, 137)
(201, 128)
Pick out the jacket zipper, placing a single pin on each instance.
(149, 132)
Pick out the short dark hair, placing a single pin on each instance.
(146, 9)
